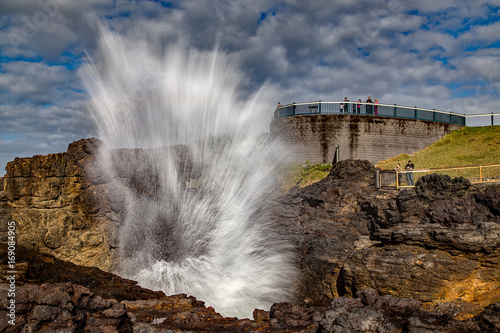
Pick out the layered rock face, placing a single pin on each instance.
(66, 205)
(59, 205)
(56, 296)
(435, 243)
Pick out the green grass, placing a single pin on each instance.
(467, 146)
(302, 175)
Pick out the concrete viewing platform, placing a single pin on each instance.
(366, 131)
(369, 109)
(372, 132)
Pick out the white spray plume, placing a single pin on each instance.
(213, 239)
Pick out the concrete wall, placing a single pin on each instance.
(369, 138)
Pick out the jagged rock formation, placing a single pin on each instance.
(435, 243)
(54, 295)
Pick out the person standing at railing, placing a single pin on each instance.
(368, 106)
(358, 106)
(409, 175)
(376, 106)
(344, 107)
(399, 176)
(277, 113)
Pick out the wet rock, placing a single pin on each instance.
(372, 313)
(437, 243)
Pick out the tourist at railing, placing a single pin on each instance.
(376, 106)
(344, 107)
(398, 173)
(358, 106)
(368, 106)
(409, 175)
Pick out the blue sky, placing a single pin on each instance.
(434, 54)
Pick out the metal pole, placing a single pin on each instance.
(336, 156)
(492, 123)
(377, 178)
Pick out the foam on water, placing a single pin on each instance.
(211, 240)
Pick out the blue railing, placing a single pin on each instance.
(371, 109)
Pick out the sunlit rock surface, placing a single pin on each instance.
(436, 244)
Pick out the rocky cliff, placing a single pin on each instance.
(59, 205)
(66, 206)
(430, 253)
(56, 296)
(436, 243)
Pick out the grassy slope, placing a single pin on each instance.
(293, 174)
(467, 146)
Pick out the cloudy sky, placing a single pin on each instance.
(435, 54)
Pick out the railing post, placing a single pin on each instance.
(377, 178)
(480, 174)
(492, 122)
(319, 107)
(433, 114)
(336, 157)
(293, 108)
(395, 111)
(415, 113)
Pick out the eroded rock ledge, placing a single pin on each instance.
(54, 295)
(436, 244)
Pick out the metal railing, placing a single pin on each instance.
(384, 110)
(489, 173)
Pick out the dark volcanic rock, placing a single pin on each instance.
(38, 268)
(63, 307)
(372, 313)
(489, 319)
(95, 301)
(437, 242)
(325, 222)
